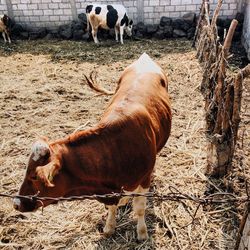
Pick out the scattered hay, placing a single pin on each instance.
(43, 93)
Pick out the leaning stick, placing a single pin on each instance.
(238, 80)
(220, 121)
(197, 30)
(216, 14)
(207, 12)
(229, 37)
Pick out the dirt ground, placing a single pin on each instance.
(42, 92)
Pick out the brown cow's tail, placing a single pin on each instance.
(91, 81)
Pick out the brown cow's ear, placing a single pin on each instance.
(40, 149)
(46, 173)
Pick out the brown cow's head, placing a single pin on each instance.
(44, 164)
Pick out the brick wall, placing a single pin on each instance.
(3, 7)
(154, 9)
(51, 13)
(46, 13)
(246, 29)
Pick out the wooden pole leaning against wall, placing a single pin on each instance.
(199, 25)
(207, 47)
(206, 31)
(203, 33)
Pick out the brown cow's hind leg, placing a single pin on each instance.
(109, 228)
(139, 206)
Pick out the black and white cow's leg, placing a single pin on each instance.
(109, 228)
(4, 37)
(139, 206)
(8, 36)
(116, 33)
(121, 33)
(94, 34)
(87, 29)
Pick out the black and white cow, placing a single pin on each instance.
(5, 23)
(109, 17)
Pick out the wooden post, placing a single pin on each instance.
(199, 23)
(221, 139)
(244, 73)
(229, 37)
(222, 104)
(216, 13)
(243, 238)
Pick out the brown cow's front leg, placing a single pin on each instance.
(109, 228)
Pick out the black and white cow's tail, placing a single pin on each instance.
(91, 81)
(88, 24)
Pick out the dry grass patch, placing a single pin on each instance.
(43, 93)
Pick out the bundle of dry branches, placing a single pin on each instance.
(222, 100)
(222, 94)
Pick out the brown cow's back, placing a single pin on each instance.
(135, 126)
(143, 90)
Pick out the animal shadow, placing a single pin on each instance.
(125, 236)
(222, 212)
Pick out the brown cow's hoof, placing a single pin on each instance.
(108, 231)
(142, 235)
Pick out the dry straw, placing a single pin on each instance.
(43, 95)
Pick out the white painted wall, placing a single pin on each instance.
(51, 13)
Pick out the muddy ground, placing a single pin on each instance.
(42, 93)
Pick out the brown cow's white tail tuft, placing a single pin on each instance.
(91, 81)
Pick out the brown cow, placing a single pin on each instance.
(117, 154)
(5, 27)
